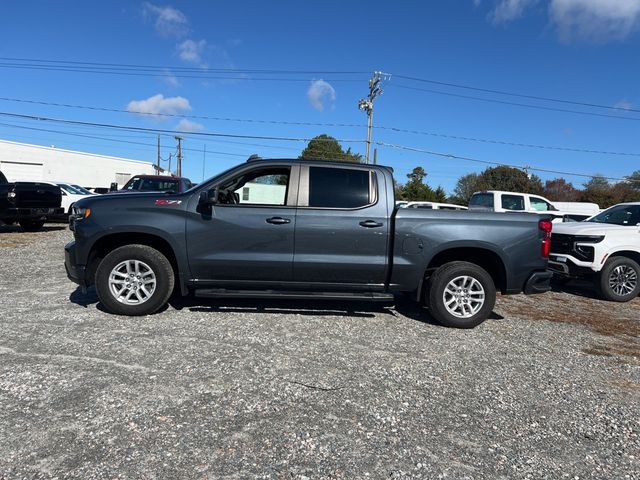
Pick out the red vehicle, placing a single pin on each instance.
(156, 183)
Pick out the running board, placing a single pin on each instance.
(284, 294)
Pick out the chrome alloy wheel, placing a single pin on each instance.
(463, 296)
(623, 280)
(132, 282)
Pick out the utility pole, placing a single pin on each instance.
(366, 105)
(179, 168)
(170, 163)
(204, 159)
(158, 158)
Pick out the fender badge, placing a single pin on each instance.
(168, 203)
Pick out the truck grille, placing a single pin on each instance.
(561, 243)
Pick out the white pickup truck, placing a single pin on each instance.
(499, 201)
(605, 248)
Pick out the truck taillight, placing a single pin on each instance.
(546, 226)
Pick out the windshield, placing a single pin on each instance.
(619, 215)
(70, 189)
(152, 184)
(83, 190)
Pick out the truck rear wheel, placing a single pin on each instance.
(620, 279)
(31, 225)
(461, 295)
(134, 280)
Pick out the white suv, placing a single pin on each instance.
(605, 248)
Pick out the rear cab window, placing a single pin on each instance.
(344, 188)
(481, 200)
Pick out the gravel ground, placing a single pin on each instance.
(548, 388)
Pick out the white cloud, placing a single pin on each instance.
(192, 51)
(624, 105)
(159, 105)
(321, 94)
(507, 10)
(188, 126)
(595, 20)
(168, 21)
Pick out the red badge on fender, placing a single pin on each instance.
(168, 203)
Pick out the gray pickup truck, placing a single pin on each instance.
(302, 229)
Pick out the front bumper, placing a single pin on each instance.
(565, 266)
(76, 273)
(538, 282)
(33, 213)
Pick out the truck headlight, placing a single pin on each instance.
(79, 213)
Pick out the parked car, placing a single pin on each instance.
(328, 230)
(435, 206)
(70, 195)
(156, 183)
(28, 203)
(499, 201)
(604, 249)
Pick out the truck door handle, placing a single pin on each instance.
(278, 220)
(370, 224)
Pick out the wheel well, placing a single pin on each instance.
(488, 260)
(108, 243)
(635, 256)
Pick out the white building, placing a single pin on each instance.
(22, 161)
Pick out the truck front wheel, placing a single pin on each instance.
(620, 279)
(134, 280)
(461, 295)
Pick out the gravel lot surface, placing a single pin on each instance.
(548, 388)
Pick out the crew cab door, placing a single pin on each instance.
(342, 228)
(246, 235)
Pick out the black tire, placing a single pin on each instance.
(441, 279)
(31, 225)
(619, 280)
(148, 259)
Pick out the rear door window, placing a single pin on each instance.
(513, 202)
(540, 205)
(339, 187)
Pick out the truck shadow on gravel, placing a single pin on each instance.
(578, 288)
(402, 306)
(18, 229)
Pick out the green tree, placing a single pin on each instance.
(509, 179)
(634, 180)
(466, 186)
(559, 190)
(325, 147)
(597, 182)
(415, 189)
(440, 195)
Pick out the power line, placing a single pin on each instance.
(520, 95)
(169, 131)
(333, 125)
(492, 162)
(181, 68)
(506, 102)
(108, 139)
(168, 74)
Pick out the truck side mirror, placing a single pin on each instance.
(209, 197)
(113, 187)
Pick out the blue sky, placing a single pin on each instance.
(580, 50)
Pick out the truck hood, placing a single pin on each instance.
(132, 199)
(587, 228)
